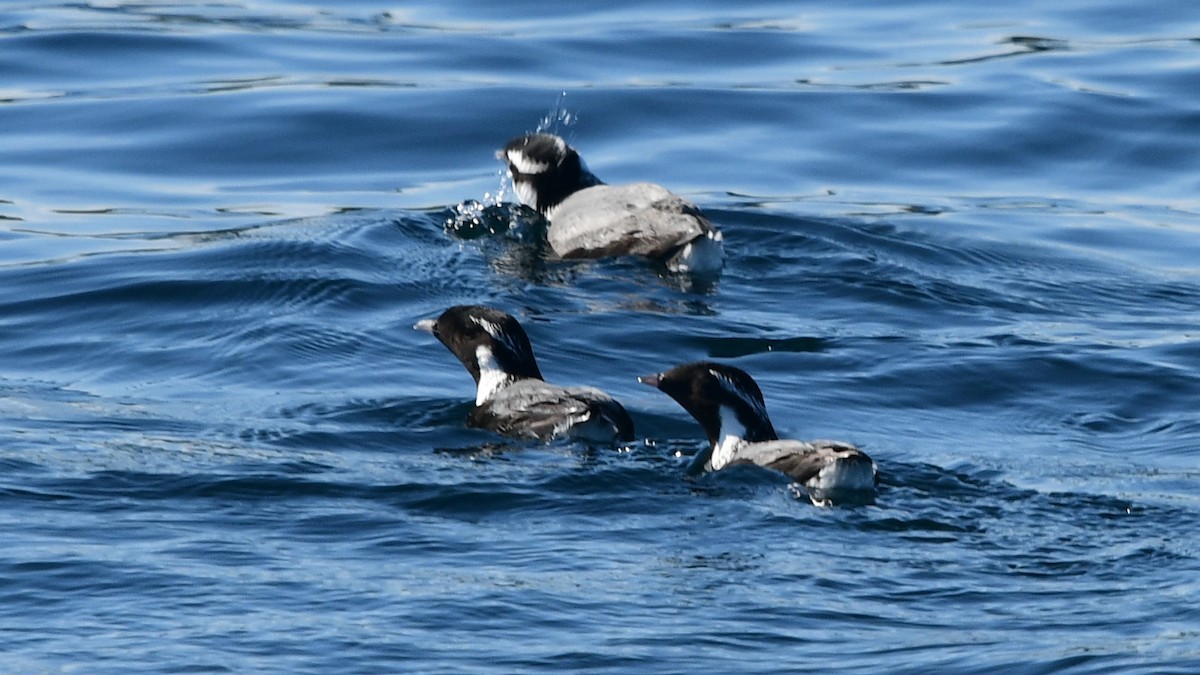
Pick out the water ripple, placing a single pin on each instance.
(961, 236)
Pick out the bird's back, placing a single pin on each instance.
(611, 220)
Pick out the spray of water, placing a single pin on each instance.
(558, 120)
(493, 213)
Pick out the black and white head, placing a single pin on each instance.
(491, 344)
(725, 400)
(545, 171)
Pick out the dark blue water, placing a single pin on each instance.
(964, 236)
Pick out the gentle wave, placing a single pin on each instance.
(962, 240)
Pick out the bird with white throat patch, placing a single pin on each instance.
(511, 398)
(729, 406)
(589, 219)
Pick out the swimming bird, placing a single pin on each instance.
(511, 398)
(729, 405)
(589, 219)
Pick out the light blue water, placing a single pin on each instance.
(962, 236)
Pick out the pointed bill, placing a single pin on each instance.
(651, 380)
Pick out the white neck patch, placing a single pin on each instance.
(526, 193)
(491, 378)
(729, 438)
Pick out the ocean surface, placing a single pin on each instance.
(965, 236)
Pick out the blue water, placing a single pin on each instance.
(962, 235)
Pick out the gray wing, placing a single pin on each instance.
(802, 461)
(605, 411)
(536, 409)
(611, 220)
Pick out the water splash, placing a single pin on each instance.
(488, 214)
(473, 219)
(558, 120)
(500, 196)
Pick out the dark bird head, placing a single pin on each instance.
(725, 400)
(545, 171)
(491, 345)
